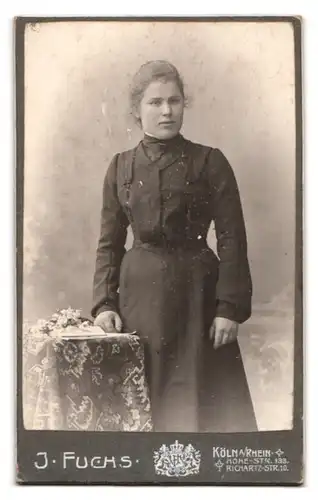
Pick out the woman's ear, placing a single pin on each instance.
(137, 114)
(134, 116)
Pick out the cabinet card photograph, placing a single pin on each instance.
(159, 251)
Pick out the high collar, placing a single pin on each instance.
(162, 152)
(156, 145)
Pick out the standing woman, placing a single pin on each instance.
(184, 301)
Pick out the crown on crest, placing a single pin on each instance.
(176, 447)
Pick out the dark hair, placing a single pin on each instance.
(149, 72)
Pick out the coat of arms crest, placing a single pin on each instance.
(177, 460)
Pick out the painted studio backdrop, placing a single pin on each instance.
(240, 81)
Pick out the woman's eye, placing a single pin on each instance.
(156, 102)
(175, 100)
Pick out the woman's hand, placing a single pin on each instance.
(223, 331)
(109, 321)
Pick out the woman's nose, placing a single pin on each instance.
(166, 109)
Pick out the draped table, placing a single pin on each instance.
(84, 383)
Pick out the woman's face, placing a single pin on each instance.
(161, 109)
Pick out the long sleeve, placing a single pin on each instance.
(234, 286)
(111, 246)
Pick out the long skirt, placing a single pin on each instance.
(168, 297)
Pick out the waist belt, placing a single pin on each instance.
(186, 245)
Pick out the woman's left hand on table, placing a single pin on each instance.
(223, 331)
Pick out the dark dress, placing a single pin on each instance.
(172, 285)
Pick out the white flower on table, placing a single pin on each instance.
(41, 323)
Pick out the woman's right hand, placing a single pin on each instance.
(109, 321)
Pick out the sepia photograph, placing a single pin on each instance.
(159, 267)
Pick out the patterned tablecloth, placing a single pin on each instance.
(85, 385)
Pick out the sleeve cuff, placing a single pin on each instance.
(103, 308)
(231, 311)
